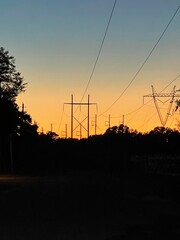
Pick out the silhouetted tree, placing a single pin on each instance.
(123, 129)
(25, 127)
(11, 82)
(52, 135)
(12, 121)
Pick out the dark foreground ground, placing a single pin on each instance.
(89, 206)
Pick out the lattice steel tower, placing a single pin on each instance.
(169, 99)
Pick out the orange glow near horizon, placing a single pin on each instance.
(54, 116)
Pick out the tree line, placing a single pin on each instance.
(24, 150)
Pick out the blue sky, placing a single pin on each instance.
(55, 44)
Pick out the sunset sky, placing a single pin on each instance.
(56, 44)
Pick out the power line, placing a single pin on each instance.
(100, 49)
(171, 82)
(147, 58)
(134, 77)
(136, 110)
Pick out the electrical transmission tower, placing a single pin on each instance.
(80, 124)
(169, 98)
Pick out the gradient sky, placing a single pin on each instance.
(55, 44)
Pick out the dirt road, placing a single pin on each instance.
(83, 206)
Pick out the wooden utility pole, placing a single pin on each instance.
(123, 119)
(88, 117)
(64, 133)
(1, 129)
(108, 123)
(95, 124)
(72, 117)
(11, 152)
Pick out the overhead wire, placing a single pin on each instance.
(134, 112)
(145, 61)
(98, 54)
(171, 82)
(136, 74)
(99, 51)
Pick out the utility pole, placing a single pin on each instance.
(108, 123)
(23, 107)
(11, 152)
(80, 134)
(123, 119)
(88, 104)
(88, 117)
(1, 128)
(64, 133)
(94, 124)
(72, 117)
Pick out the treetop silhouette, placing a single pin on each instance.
(11, 81)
